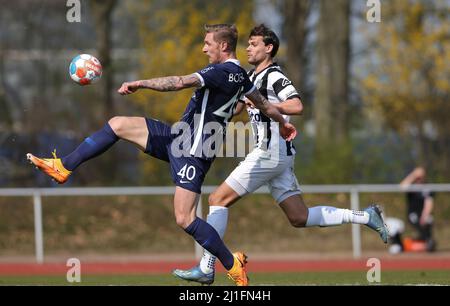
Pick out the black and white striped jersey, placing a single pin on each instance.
(276, 88)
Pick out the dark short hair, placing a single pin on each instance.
(269, 37)
(224, 32)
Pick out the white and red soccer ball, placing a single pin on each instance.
(85, 69)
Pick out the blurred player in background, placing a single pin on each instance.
(218, 88)
(271, 162)
(419, 214)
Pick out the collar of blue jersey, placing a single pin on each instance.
(234, 61)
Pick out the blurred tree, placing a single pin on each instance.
(102, 12)
(295, 14)
(10, 102)
(331, 96)
(408, 81)
(174, 40)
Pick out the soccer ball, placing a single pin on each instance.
(85, 69)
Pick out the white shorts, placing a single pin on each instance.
(257, 170)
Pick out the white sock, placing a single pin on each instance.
(217, 218)
(330, 216)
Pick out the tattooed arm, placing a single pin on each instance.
(265, 106)
(287, 130)
(170, 83)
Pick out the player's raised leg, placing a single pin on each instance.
(132, 129)
(185, 206)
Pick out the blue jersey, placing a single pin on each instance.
(212, 105)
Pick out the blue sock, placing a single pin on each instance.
(91, 147)
(208, 238)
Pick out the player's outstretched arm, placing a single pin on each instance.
(170, 83)
(287, 130)
(290, 107)
(265, 106)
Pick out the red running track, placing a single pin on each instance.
(253, 266)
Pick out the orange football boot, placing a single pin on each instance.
(238, 273)
(53, 167)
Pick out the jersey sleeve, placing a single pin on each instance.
(283, 87)
(248, 87)
(211, 76)
(242, 97)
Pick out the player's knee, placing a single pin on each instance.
(298, 221)
(215, 199)
(182, 221)
(117, 124)
(212, 199)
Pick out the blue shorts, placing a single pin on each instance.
(187, 172)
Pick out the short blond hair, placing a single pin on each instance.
(224, 32)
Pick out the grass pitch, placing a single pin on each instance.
(433, 277)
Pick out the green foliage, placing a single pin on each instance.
(378, 159)
(408, 81)
(173, 40)
(305, 278)
(332, 164)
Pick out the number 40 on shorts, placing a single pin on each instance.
(187, 172)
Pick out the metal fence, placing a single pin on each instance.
(353, 190)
